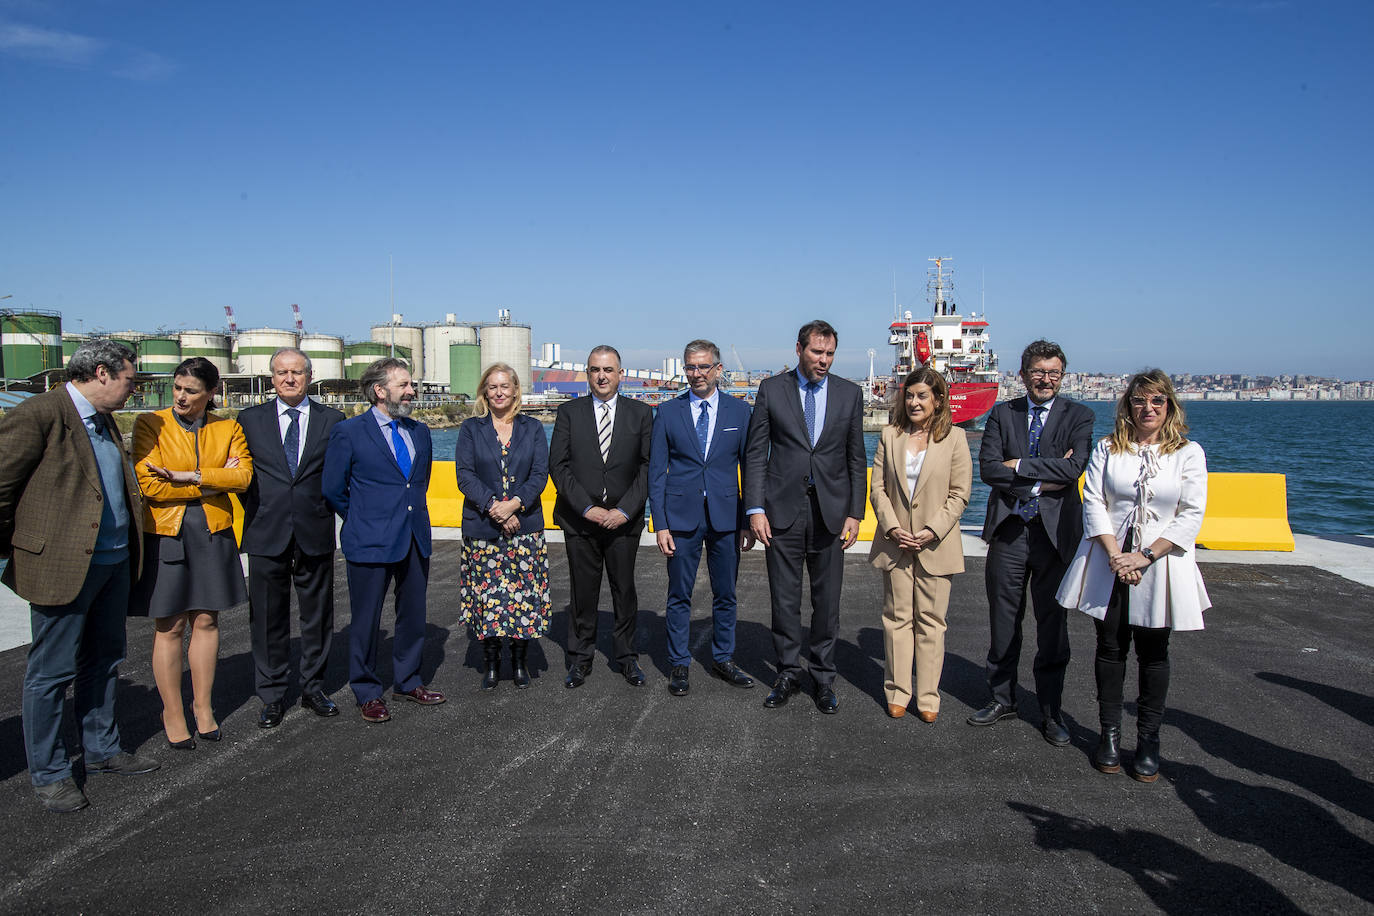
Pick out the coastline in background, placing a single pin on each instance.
(1318, 445)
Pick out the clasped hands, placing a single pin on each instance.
(1129, 567)
(506, 514)
(913, 542)
(606, 518)
(187, 477)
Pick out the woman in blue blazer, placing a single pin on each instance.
(502, 462)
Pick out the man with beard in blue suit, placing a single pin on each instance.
(376, 474)
(694, 495)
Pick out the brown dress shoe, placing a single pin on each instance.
(927, 716)
(375, 711)
(895, 711)
(422, 695)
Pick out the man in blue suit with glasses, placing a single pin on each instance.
(694, 495)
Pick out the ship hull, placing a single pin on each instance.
(969, 402)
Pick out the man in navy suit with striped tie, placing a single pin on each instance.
(376, 474)
(694, 495)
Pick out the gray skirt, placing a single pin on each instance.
(193, 570)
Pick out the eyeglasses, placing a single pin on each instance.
(699, 369)
(1158, 400)
(1053, 375)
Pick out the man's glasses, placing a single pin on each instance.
(699, 369)
(1053, 375)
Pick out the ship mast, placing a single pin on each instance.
(936, 284)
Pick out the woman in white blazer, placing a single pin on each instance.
(1135, 570)
(922, 476)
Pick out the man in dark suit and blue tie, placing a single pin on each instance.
(599, 463)
(805, 483)
(376, 474)
(694, 495)
(1034, 449)
(288, 534)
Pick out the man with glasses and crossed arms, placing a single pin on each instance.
(1034, 449)
(694, 494)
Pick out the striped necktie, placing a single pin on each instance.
(1030, 508)
(603, 432)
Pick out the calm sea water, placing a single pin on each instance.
(1320, 446)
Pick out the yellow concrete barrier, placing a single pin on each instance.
(1246, 512)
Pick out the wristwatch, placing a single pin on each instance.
(1148, 554)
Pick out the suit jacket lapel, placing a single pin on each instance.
(81, 440)
(895, 446)
(936, 463)
(314, 436)
(493, 441)
(1018, 445)
(689, 424)
(379, 437)
(1051, 421)
(793, 398)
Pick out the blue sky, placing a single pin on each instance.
(1180, 184)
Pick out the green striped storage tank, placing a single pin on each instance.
(213, 345)
(358, 356)
(69, 344)
(30, 343)
(465, 369)
(159, 355)
(326, 354)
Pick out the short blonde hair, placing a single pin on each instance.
(483, 408)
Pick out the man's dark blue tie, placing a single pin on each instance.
(402, 453)
(703, 426)
(810, 411)
(292, 443)
(1030, 508)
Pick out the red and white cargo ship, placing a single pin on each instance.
(955, 345)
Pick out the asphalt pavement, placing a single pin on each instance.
(616, 799)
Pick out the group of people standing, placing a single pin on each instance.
(92, 536)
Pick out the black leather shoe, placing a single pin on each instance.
(631, 673)
(272, 714)
(319, 704)
(1145, 765)
(784, 688)
(1054, 731)
(730, 673)
(125, 764)
(62, 796)
(993, 712)
(577, 675)
(1107, 757)
(826, 701)
(677, 681)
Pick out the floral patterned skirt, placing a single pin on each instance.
(505, 586)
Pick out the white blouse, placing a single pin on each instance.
(913, 470)
(1147, 495)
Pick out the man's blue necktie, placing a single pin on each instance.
(703, 426)
(402, 453)
(292, 442)
(810, 411)
(1030, 508)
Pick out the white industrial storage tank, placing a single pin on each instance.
(253, 349)
(212, 345)
(326, 354)
(507, 342)
(438, 339)
(409, 336)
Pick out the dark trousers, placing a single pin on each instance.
(81, 642)
(367, 585)
(806, 543)
(722, 562)
(1021, 556)
(1114, 637)
(589, 555)
(269, 590)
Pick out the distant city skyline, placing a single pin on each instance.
(1179, 184)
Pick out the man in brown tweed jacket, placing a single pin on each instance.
(71, 522)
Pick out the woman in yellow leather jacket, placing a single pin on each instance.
(188, 460)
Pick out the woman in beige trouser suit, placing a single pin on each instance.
(922, 475)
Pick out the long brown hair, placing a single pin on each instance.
(942, 423)
(1172, 436)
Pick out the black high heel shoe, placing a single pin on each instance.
(188, 744)
(215, 735)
